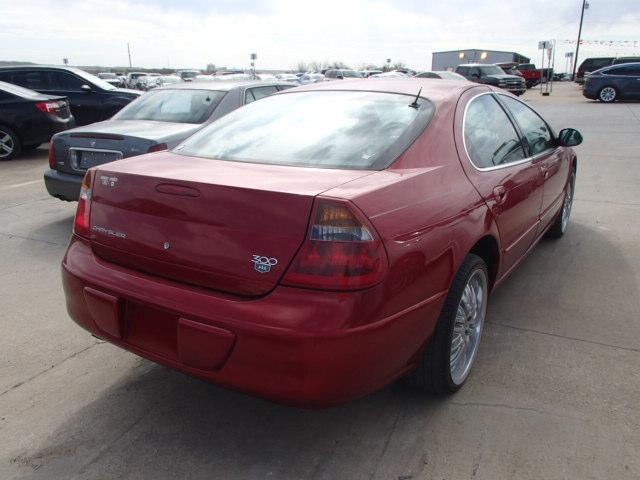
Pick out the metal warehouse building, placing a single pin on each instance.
(451, 59)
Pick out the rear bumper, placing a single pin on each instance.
(293, 346)
(62, 185)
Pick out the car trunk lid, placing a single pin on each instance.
(99, 143)
(228, 226)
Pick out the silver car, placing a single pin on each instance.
(158, 120)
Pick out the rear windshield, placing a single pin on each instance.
(19, 91)
(330, 129)
(179, 106)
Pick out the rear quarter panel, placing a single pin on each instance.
(426, 211)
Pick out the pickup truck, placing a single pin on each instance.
(492, 75)
(532, 75)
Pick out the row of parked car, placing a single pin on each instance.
(39, 101)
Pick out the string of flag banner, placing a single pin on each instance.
(605, 43)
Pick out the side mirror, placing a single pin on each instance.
(569, 137)
(340, 77)
(86, 88)
(475, 75)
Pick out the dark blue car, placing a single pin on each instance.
(617, 82)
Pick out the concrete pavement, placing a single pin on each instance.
(555, 393)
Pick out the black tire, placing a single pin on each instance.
(9, 144)
(433, 372)
(559, 227)
(608, 94)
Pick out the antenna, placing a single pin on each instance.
(414, 104)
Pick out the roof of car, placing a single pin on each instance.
(222, 85)
(434, 91)
(477, 65)
(37, 67)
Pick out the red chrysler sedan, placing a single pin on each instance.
(317, 245)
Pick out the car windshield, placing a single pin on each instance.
(179, 106)
(491, 70)
(19, 91)
(346, 129)
(93, 79)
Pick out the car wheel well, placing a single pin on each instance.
(487, 249)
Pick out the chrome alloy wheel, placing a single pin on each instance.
(608, 94)
(568, 202)
(6, 144)
(467, 327)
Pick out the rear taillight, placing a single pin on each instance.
(341, 251)
(81, 224)
(52, 107)
(53, 161)
(157, 148)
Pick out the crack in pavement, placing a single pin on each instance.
(13, 235)
(24, 382)
(566, 337)
(497, 405)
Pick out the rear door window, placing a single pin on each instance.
(538, 134)
(63, 81)
(490, 138)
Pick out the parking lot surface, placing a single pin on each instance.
(555, 393)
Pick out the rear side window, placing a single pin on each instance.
(535, 129)
(463, 70)
(64, 81)
(627, 71)
(257, 93)
(329, 129)
(490, 138)
(31, 80)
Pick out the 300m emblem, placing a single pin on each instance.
(264, 264)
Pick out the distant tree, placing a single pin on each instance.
(316, 66)
(337, 64)
(211, 68)
(302, 67)
(399, 65)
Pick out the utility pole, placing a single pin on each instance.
(129, 52)
(585, 5)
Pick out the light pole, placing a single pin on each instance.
(253, 57)
(585, 6)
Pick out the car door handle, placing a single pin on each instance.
(499, 193)
(544, 170)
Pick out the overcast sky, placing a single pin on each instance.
(192, 33)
